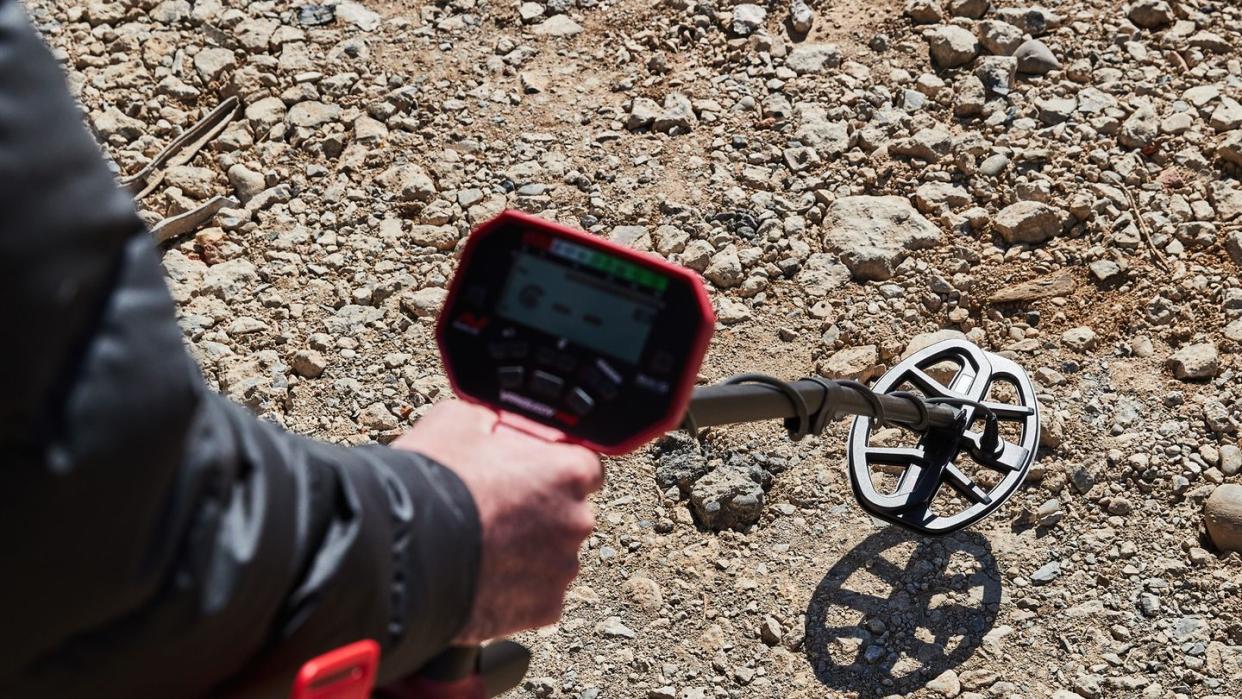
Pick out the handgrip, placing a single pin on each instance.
(466, 672)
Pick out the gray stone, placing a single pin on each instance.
(1227, 116)
(997, 73)
(266, 112)
(970, 98)
(1035, 21)
(727, 498)
(246, 182)
(1035, 58)
(643, 113)
(1081, 339)
(424, 303)
(312, 113)
(828, 138)
(357, 15)
(924, 11)
(1049, 572)
(308, 363)
(1195, 362)
(1029, 222)
(858, 363)
(872, 234)
(677, 115)
(951, 46)
(821, 274)
(1055, 110)
(801, 18)
(409, 182)
(928, 144)
(747, 18)
(1140, 129)
(613, 628)
(558, 25)
(813, 58)
(999, 38)
(974, 9)
(1230, 459)
(946, 684)
(113, 122)
(211, 63)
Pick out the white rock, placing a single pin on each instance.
(1193, 362)
(873, 234)
(1151, 14)
(999, 38)
(747, 18)
(357, 15)
(1035, 58)
(924, 11)
(951, 46)
(212, 62)
(558, 25)
(813, 58)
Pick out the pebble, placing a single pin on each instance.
(1035, 58)
(1029, 222)
(952, 46)
(1195, 362)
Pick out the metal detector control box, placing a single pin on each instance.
(592, 339)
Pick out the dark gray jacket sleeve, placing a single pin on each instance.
(156, 540)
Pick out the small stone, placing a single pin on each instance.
(1222, 515)
(644, 592)
(1140, 129)
(613, 628)
(1227, 116)
(1151, 14)
(801, 17)
(951, 46)
(1080, 339)
(308, 364)
(924, 11)
(727, 498)
(1049, 572)
(1230, 460)
(813, 58)
(558, 25)
(946, 684)
(677, 115)
(770, 631)
(1195, 362)
(859, 363)
(974, 9)
(1230, 148)
(409, 182)
(970, 98)
(424, 303)
(356, 14)
(246, 182)
(747, 18)
(999, 38)
(530, 12)
(312, 113)
(1029, 222)
(1035, 58)
(1104, 270)
(997, 73)
(211, 63)
(377, 417)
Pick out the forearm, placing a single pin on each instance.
(159, 541)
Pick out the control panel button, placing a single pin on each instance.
(601, 384)
(509, 349)
(511, 377)
(546, 385)
(580, 402)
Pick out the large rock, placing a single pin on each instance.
(872, 234)
(312, 113)
(1029, 222)
(677, 116)
(211, 63)
(813, 58)
(822, 274)
(929, 145)
(1222, 515)
(859, 363)
(1195, 362)
(952, 46)
(731, 497)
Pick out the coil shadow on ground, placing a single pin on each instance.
(900, 609)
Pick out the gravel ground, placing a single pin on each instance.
(1060, 184)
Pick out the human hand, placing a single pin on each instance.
(531, 496)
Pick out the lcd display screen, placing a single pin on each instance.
(577, 306)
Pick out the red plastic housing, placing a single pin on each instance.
(345, 673)
(679, 396)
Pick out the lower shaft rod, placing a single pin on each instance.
(724, 404)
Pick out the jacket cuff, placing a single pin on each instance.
(436, 559)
